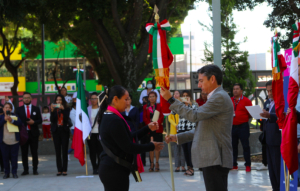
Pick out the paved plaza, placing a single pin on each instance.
(154, 181)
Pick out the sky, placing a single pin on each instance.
(249, 24)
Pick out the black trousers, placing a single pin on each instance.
(241, 132)
(1, 161)
(95, 149)
(188, 153)
(33, 143)
(114, 177)
(61, 144)
(274, 162)
(216, 178)
(10, 156)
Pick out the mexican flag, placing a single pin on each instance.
(161, 56)
(82, 123)
(278, 66)
(289, 132)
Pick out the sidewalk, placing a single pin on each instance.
(154, 181)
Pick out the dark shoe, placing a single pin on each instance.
(35, 172)
(151, 167)
(177, 169)
(95, 171)
(58, 174)
(2, 171)
(15, 176)
(157, 167)
(189, 172)
(24, 173)
(6, 176)
(64, 174)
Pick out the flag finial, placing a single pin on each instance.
(156, 14)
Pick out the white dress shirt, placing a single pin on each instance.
(211, 93)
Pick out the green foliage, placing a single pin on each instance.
(284, 15)
(105, 32)
(235, 65)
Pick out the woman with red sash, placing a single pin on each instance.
(116, 136)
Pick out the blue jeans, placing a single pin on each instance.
(71, 150)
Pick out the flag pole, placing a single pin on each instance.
(170, 153)
(86, 169)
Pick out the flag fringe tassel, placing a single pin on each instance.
(276, 75)
(162, 81)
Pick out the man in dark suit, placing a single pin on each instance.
(273, 139)
(30, 116)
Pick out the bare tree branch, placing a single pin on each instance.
(21, 62)
(4, 41)
(54, 77)
(294, 7)
(136, 19)
(107, 54)
(15, 40)
(107, 40)
(114, 10)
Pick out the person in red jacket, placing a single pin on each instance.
(148, 112)
(240, 126)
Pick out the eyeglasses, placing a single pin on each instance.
(26, 98)
(94, 98)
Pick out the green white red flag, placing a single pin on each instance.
(289, 132)
(278, 66)
(82, 127)
(161, 55)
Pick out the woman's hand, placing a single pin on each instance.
(158, 145)
(61, 107)
(153, 126)
(52, 108)
(7, 118)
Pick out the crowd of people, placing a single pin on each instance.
(205, 133)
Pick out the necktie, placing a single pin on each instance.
(28, 115)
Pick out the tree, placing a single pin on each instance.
(284, 15)
(111, 34)
(14, 17)
(235, 65)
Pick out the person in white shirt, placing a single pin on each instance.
(46, 124)
(150, 87)
(93, 142)
(73, 119)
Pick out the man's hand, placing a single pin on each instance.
(170, 138)
(7, 118)
(30, 122)
(166, 94)
(153, 126)
(158, 145)
(265, 114)
(298, 148)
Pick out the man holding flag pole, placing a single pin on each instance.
(82, 123)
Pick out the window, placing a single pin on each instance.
(186, 46)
